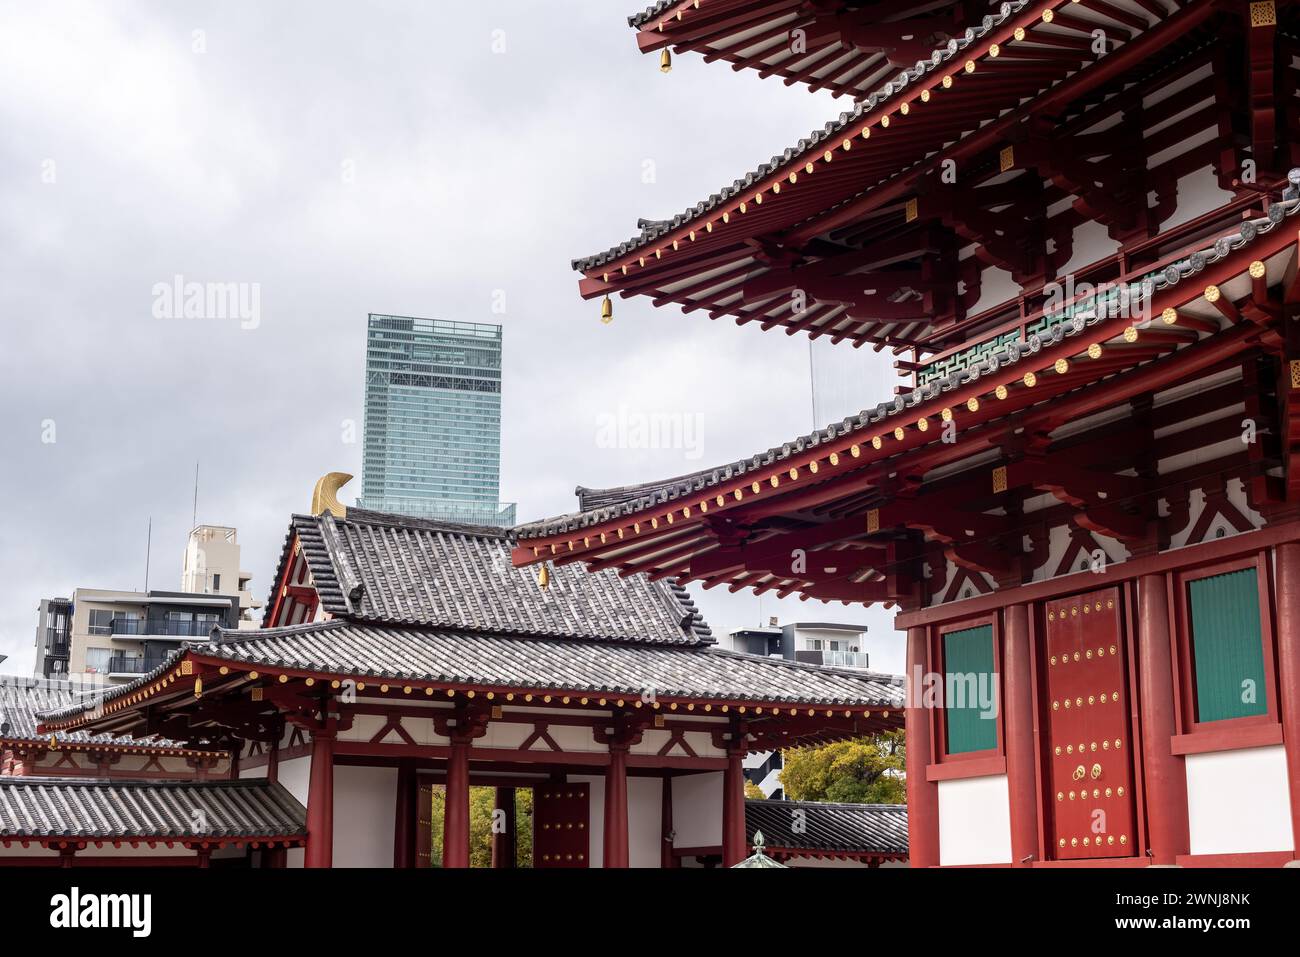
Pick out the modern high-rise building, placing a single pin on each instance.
(433, 420)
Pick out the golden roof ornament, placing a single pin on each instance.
(325, 497)
(665, 61)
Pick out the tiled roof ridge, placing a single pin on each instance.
(233, 636)
(52, 780)
(664, 490)
(844, 805)
(366, 516)
(350, 584)
(941, 55)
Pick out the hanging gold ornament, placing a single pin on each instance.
(665, 61)
(606, 311)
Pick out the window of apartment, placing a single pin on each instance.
(216, 581)
(970, 717)
(1226, 637)
(101, 621)
(97, 660)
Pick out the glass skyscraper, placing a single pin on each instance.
(433, 420)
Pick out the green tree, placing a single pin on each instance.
(858, 771)
(482, 802)
(753, 792)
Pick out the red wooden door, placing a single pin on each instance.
(1089, 738)
(561, 825)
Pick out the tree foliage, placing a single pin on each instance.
(753, 792)
(858, 771)
(482, 802)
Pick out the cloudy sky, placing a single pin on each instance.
(414, 158)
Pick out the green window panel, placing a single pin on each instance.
(1227, 646)
(969, 671)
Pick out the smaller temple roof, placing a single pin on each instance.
(38, 808)
(379, 567)
(859, 830)
(22, 697)
(424, 655)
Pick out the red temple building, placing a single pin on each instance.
(399, 654)
(1074, 226)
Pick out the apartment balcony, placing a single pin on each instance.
(834, 659)
(130, 666)
(136, 628)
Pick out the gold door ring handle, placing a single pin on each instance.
(1096, 771)
(1079, 773)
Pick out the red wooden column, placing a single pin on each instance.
(504, 842)
(733, 801)
(1163, 771)
(404, 817)
(922, 795)
(1287, 572)
(455, 822)
(273, 755)
(320, 800)
(667, 859)
(616, 850)
(1018, 728)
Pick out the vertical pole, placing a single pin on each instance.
(1287, 570)
(667, 859)
(404, 817)
(1018, 726)
(320, 801)
(505, 842)
(922, 795)
(273, 758)
(1163, 771)
(455, 823)
(733, 803)
(616, 848)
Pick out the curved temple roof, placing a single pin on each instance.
(43, 808)
(430, 657)
(611, 504)
(868, 830)
(379, 567)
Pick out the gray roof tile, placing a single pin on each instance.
(378, 567)
(405, 653)
(36, 807)
(852, 828)
(22, 697)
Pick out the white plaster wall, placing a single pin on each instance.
(1237, 801)
(295, 775)
(1198, 193)
(596, 817)
(1091, 242)
(33, 850)
(644, 821)
(996, 287)
(142, 850)
(364, 807)
(697, 810)
(975, 821)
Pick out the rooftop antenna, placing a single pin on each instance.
(148, 547)
(194, 519)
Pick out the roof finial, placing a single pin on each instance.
(325, 497)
